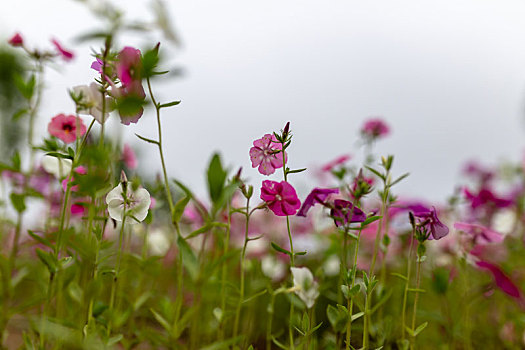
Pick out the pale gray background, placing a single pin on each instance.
(448, 76)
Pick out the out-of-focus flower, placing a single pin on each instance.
(318, 195)
(434, 228)
(485, 197)
(97, 65)
(128, 157)
(501, 279)
(79, 170)
(16, 40)
(91, 101)
(280, 197)
(306, 287)
(267, 154)
(273, 268)
(345, 213)
(66, 127)
(158, 242)
(375, 128)
(59, 167)
(66, 54)
(480, 234)
(129, 66)
(338, 161)
(123, 201)
(332, 265)
(504, 221)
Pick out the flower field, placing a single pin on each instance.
(97, 256)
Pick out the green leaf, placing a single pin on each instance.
(420, 328)
(370, 219)
(299, 253)
(399, 275)
(355, 289)
(18, 201)
(419, 290)
(147, 140)
(48, 259)
(150, 60)
(357, 315)
(224, 344)
(295, 171)
(216, 178)
(161, 320)
(20, 113)
(402, 177)
(280, 250)
(114, 340)
(179, 207)
(279, 344)
(169, 104)
(129, 105)
(59, 155)
(381, 176)
(188, 258)
(16, 161)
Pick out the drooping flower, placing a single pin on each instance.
(66, 54)
(344, 213)
(124, 201)
(338, 161)
(318, 195)
(480, 234)
(16, 40)
(502, 280)
(433, 227)
(129, 66)
(267, 154)
(375, 128)
(128, 157)
(59, 167)
(91, 102)
(66, 127)
(306, 288)
(280, 197)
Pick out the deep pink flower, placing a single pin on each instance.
(375, 128)
(79, 170)
(502, 281)
(344, 213)
(485, 197)
(435, 228)
(480, 234)
(280, 197)
(318, 195)
(77, 209)
(65, 127)
(128, 157)
(66, 54)
(97, 65)
(267, 154)
(16, 40)
(129, 66)
(338, 161)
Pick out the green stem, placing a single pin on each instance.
(116, 277)
(243, 257)
(270, 321)
(416, 298)
(350, 302)
(407, 285)
(224, 274)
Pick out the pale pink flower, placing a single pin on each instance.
(129, 65)
(375, 128)
(267, 154)
(128, 157)
(65, 127)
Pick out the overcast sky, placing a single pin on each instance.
(448, 76)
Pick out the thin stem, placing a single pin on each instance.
(416, 298)
(224, 272)
(407, 284)
(243, 256)
(270, 321)
(116, 277)
(350, 303)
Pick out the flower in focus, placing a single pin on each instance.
(128, 157)
(502, 281)
(66, 127)
(59, 167)
(318, 195)
(123, 201)
(306, 288)
(375, 128)
(280, 197)
(66, 54)
(345, 213)
(16, 40)
(267, 154)
(90, 101)
(433, 228)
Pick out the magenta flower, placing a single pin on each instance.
(338, 161)
(433, 227)
(267, 154)
(480, 234)
(79, 170)
(65, 127)
(97, 65)
(128, 157)
(502, 281)
(280, 197)
(345, 213)
(375, 128)
(16, 40)
(485, 197)
(318, 195)
(66, 54)
(129, 66)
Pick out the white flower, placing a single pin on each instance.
(158, 242)
(272, 268)
(134, 204)
(91, 101)
(306, 288)
(60, 167)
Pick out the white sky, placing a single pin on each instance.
(448, 76)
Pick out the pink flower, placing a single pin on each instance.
(480, 234)
(486, 198)
(318, 195)
(128, 157)
(79, 170)
(267, 154)
(338, 161)
(65, 127)
(345, 213)
(129, 65)
(280, 197)
(97, 65)
(66, 54)
(502, 281)
(375, 128)
(16, 40)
